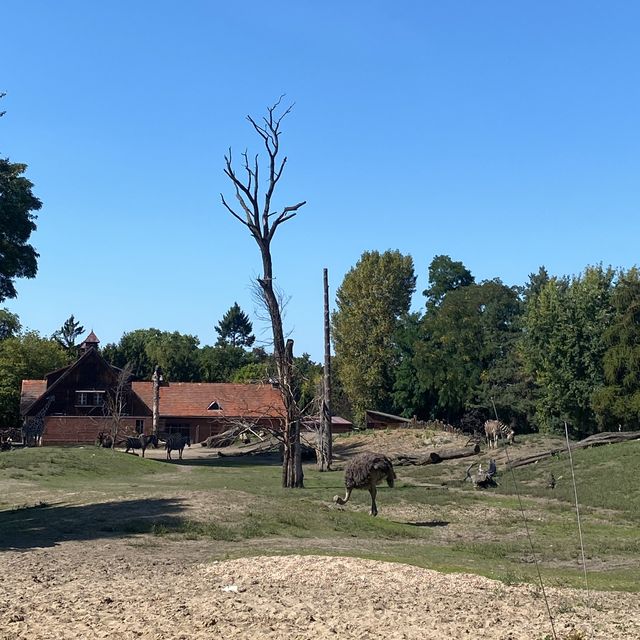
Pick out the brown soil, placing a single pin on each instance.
(157, 588)
(168, 590)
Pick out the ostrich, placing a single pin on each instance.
(365, 471)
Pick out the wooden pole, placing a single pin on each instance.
(156, 378)
(325, 431)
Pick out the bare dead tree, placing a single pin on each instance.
(116, 402)
(256, 213)
(326, 440)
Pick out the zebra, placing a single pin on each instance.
(177, 442)
(494, 429)
(140, 442)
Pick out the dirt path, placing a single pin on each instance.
(160, 589)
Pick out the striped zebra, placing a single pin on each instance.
(140, 442)
(494, 429)
(177, 442)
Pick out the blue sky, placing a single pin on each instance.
(504, 134)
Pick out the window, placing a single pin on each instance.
(139, 426)
(214, 406)
(89, 398)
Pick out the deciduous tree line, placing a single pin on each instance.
(555, 349)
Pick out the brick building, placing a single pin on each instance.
(72, 405)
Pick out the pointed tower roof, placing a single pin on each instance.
(90, 341)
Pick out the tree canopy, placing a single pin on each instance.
(67, 334)
(18, 259)
(235, 328)
(370, 302)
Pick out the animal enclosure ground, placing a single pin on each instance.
(93, 542)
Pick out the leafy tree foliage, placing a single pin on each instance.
(177, 354)
(132, 349)
(370, 302)
(617, 403)
(235, 328)
(68, 333)
(563, 347)
(18, 259)
(445, 275)
(463, 344)
(307, 376)
(9, 324)
(221, 363)
(410, 397)
(23, 357)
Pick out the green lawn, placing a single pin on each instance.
(53, 494)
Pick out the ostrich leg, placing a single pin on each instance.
(373, 491)
(339, 500)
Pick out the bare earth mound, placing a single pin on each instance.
(167, 590)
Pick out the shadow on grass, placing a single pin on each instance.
(45, 525)
(428, 523)
(262, 460)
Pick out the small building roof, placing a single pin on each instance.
(193, 399)
(30, 392)
(91, 339)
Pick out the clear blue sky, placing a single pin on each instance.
(504, 134)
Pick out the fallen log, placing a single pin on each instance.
(596, 440)
(433, 457)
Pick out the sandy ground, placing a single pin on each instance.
(161, 589)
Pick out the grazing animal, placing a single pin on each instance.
(483, 478)
(141, 442)
(494, 429)
(176, 442)
(366, 471)
(104, 440)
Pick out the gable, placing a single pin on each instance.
(89, 371)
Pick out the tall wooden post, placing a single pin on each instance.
(156, 379)
(326, 442)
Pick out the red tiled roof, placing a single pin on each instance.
(192, 399)
(31, 391)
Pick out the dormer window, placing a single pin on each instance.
(89, 398)
(214, 406)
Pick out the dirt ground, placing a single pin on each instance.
(156, 588)
(168, 590)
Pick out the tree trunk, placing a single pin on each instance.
(326, 438)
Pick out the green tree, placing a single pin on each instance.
(445, 275)
(410, 397)
(617, 402)
(68, 333)
(18, 259)
(307, 376)
(455, 358)
(222, 362)
(9, 324)
(132, 348)
(235, 328)
(372, 298)
(24, 357)
(177, 354)
(563, 347)
(255, 372)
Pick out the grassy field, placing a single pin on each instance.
(430, 519)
